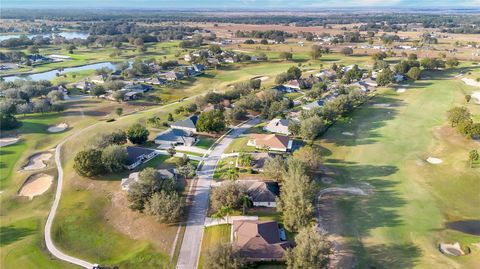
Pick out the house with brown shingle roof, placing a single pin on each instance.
(272, 142)
(258, 240)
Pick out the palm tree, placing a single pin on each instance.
(223, 212)
(232, 173)
(245, 203)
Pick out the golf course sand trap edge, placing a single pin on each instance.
(37, 161)
(58, 128)
(6, 141)
(471, 82)
(401, 90)
(476, 97)
(433, 160)
(451, 249)
(36, 185)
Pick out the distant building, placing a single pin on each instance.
(277, 126)
(138, 155)
(189, 124)
(259, 240)
(271, 142)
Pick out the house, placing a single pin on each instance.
(131, 96)
(38, 59)
(175, 137)
(133, 177)
(327, 74)
(259, 159)
(200, 68)
(293, 84)
(229, 60)
(158, 81)
(98, 79)
(399, 77)
(370, 82)
(141, 88)
(283, 89)
(277, 126)
(271, 142)
(261, 193)
(313, 105)
(259, 240)
(213, 61)
(84, 85)
(172, 76)
(138, 155)
(189, 124)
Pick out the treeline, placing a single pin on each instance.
(341, 17)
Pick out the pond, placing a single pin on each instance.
(49, 75)
(67, 35)
(465, 226)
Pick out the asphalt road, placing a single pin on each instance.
(190, 249)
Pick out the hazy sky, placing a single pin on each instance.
(238, 4)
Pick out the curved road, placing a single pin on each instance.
(190, 249)
(58, 193)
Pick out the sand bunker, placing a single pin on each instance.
(37, 161)
(348, 134)
(451, 249)
(8, 141)
(36, 185)
(327, 180)
(58, 128)
(476, 97)
(401, 90)
(471, 82)
(433, 160)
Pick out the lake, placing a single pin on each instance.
(465, 226)
(67, 35)
(53, 74)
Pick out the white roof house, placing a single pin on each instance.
(277, 126)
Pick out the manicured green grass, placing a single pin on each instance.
(205, 143)
(213, 236)
(401, 223)
(239, 144)
(222, 167)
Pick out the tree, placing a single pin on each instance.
(55, 96)
(285, 55)
(88, 163)
(33, 49)
(296, 198)
(414, 73)
(119, 111)
(139, 192)
(246, 202)
(211, 121)
(294, 73)
(118, 137)
(468, 97)
(137, 134)
(97, 90)
(223, 256)
(347, 51)
(385, 77)
(114, 158)
(311, 127)
(187, 170)
(312, 250)
(316, 52)
(171, 151)
(228, 194)
(452, 62)
(118, 95)
(275, 167)
(170, 117)
(457, 115)
(473, 156)
(232, 173)
(309, 156)
(164, 207)
(8, 121)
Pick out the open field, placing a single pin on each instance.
(401, 224)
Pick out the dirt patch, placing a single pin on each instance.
(433, 160)
(58, 128)
(36, 185)
(37, 161)
(451, 249)
(6, 141)
(139, 226)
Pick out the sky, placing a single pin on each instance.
(237, 4)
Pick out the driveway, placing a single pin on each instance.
(190, 249)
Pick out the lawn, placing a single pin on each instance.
(213, 236)
(205, 143)
(239, 144)
(401, 223)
